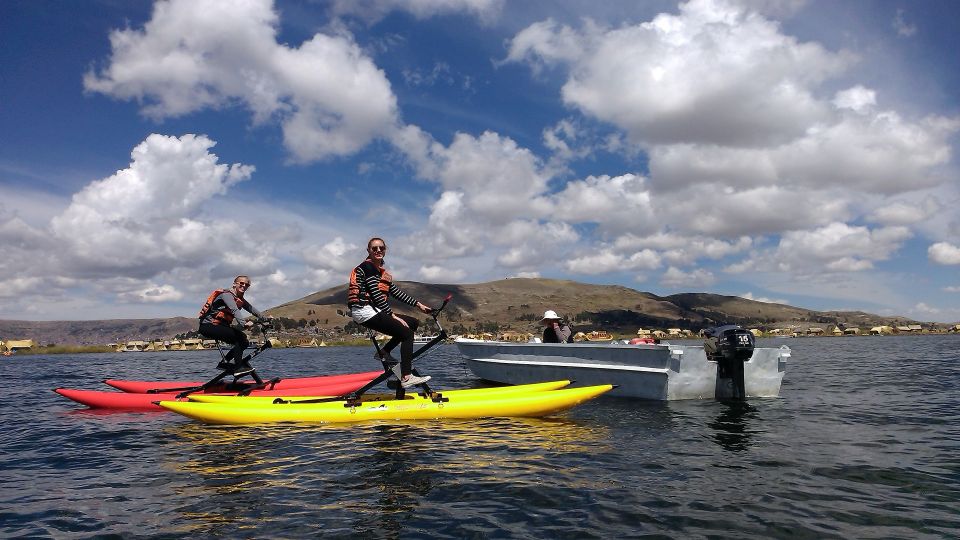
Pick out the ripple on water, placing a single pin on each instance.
(862, 443)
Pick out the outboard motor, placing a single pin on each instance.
(729, 346)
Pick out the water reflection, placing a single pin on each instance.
(731, 428)
(369, 477)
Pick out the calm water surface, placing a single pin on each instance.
(864, 442)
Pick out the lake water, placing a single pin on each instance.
(864, 442)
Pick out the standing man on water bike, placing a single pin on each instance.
(370, 286)
(218, 318)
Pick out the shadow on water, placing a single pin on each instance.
(731, 428)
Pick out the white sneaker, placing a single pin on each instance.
(413, 380)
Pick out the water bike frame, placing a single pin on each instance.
(237, 370)
(354, 398)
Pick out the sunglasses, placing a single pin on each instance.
(243, 284)
(378, 248)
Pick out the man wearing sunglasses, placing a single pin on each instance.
(219, 318)
(370, 286)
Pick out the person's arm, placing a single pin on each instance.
(564, 333)
(252, 310)
(407, 299)
(402, 296)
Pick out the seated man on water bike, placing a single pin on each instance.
(370, 285)
(218, 319)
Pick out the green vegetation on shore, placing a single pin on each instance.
(66, 349)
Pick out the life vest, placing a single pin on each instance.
(223, 315)
(357, 293)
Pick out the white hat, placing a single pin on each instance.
(549, 314)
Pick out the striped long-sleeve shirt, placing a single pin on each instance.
(371, 285)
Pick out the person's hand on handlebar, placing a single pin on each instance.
(424, 308)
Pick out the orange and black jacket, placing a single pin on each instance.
(370, 285)
(222, 307)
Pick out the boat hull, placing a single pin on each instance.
(503, 405)
(645, 371)
(140, 387)
(96, 399)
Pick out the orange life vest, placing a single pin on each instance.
(223, 315)
(357, 293)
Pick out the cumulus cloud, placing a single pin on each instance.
(858, 99)
(746, 137)
(330, 98)
(493, 193)
(144, 218)
(618, 204)
(944, 253)
(905, 213)
(153, 294)
(607, 260)
(374, 10)
(715, 73)
(837, 247)
(695, 278)
(337, 254)
(750, 296)
(439, 274)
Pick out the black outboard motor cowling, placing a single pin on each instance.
(729, 346)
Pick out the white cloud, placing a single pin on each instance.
(952, 288)
(944, 253)
(439, 274)
(374, 10)
(608, 260)
(858, 99)
(336, 255)
(836, 247)
(598, 263)
(715, 73)
(728, 109)
(493, 192)
(905, 213)
(750, 296)
(143, 218)
(925, 309)
(618, 204)
(696, 278)
(330, 98)
(153, 294)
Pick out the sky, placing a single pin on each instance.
(790, 151)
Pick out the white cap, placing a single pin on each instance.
(549, 314)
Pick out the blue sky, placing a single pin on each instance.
(792, 151)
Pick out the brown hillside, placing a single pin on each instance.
(96, 332)
(515, 304)
(518, 303)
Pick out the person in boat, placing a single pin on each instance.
(219, 318)
(555, 329)
(367, 299)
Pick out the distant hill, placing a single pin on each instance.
(515, 304)
(95, 332)
(518, 303)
